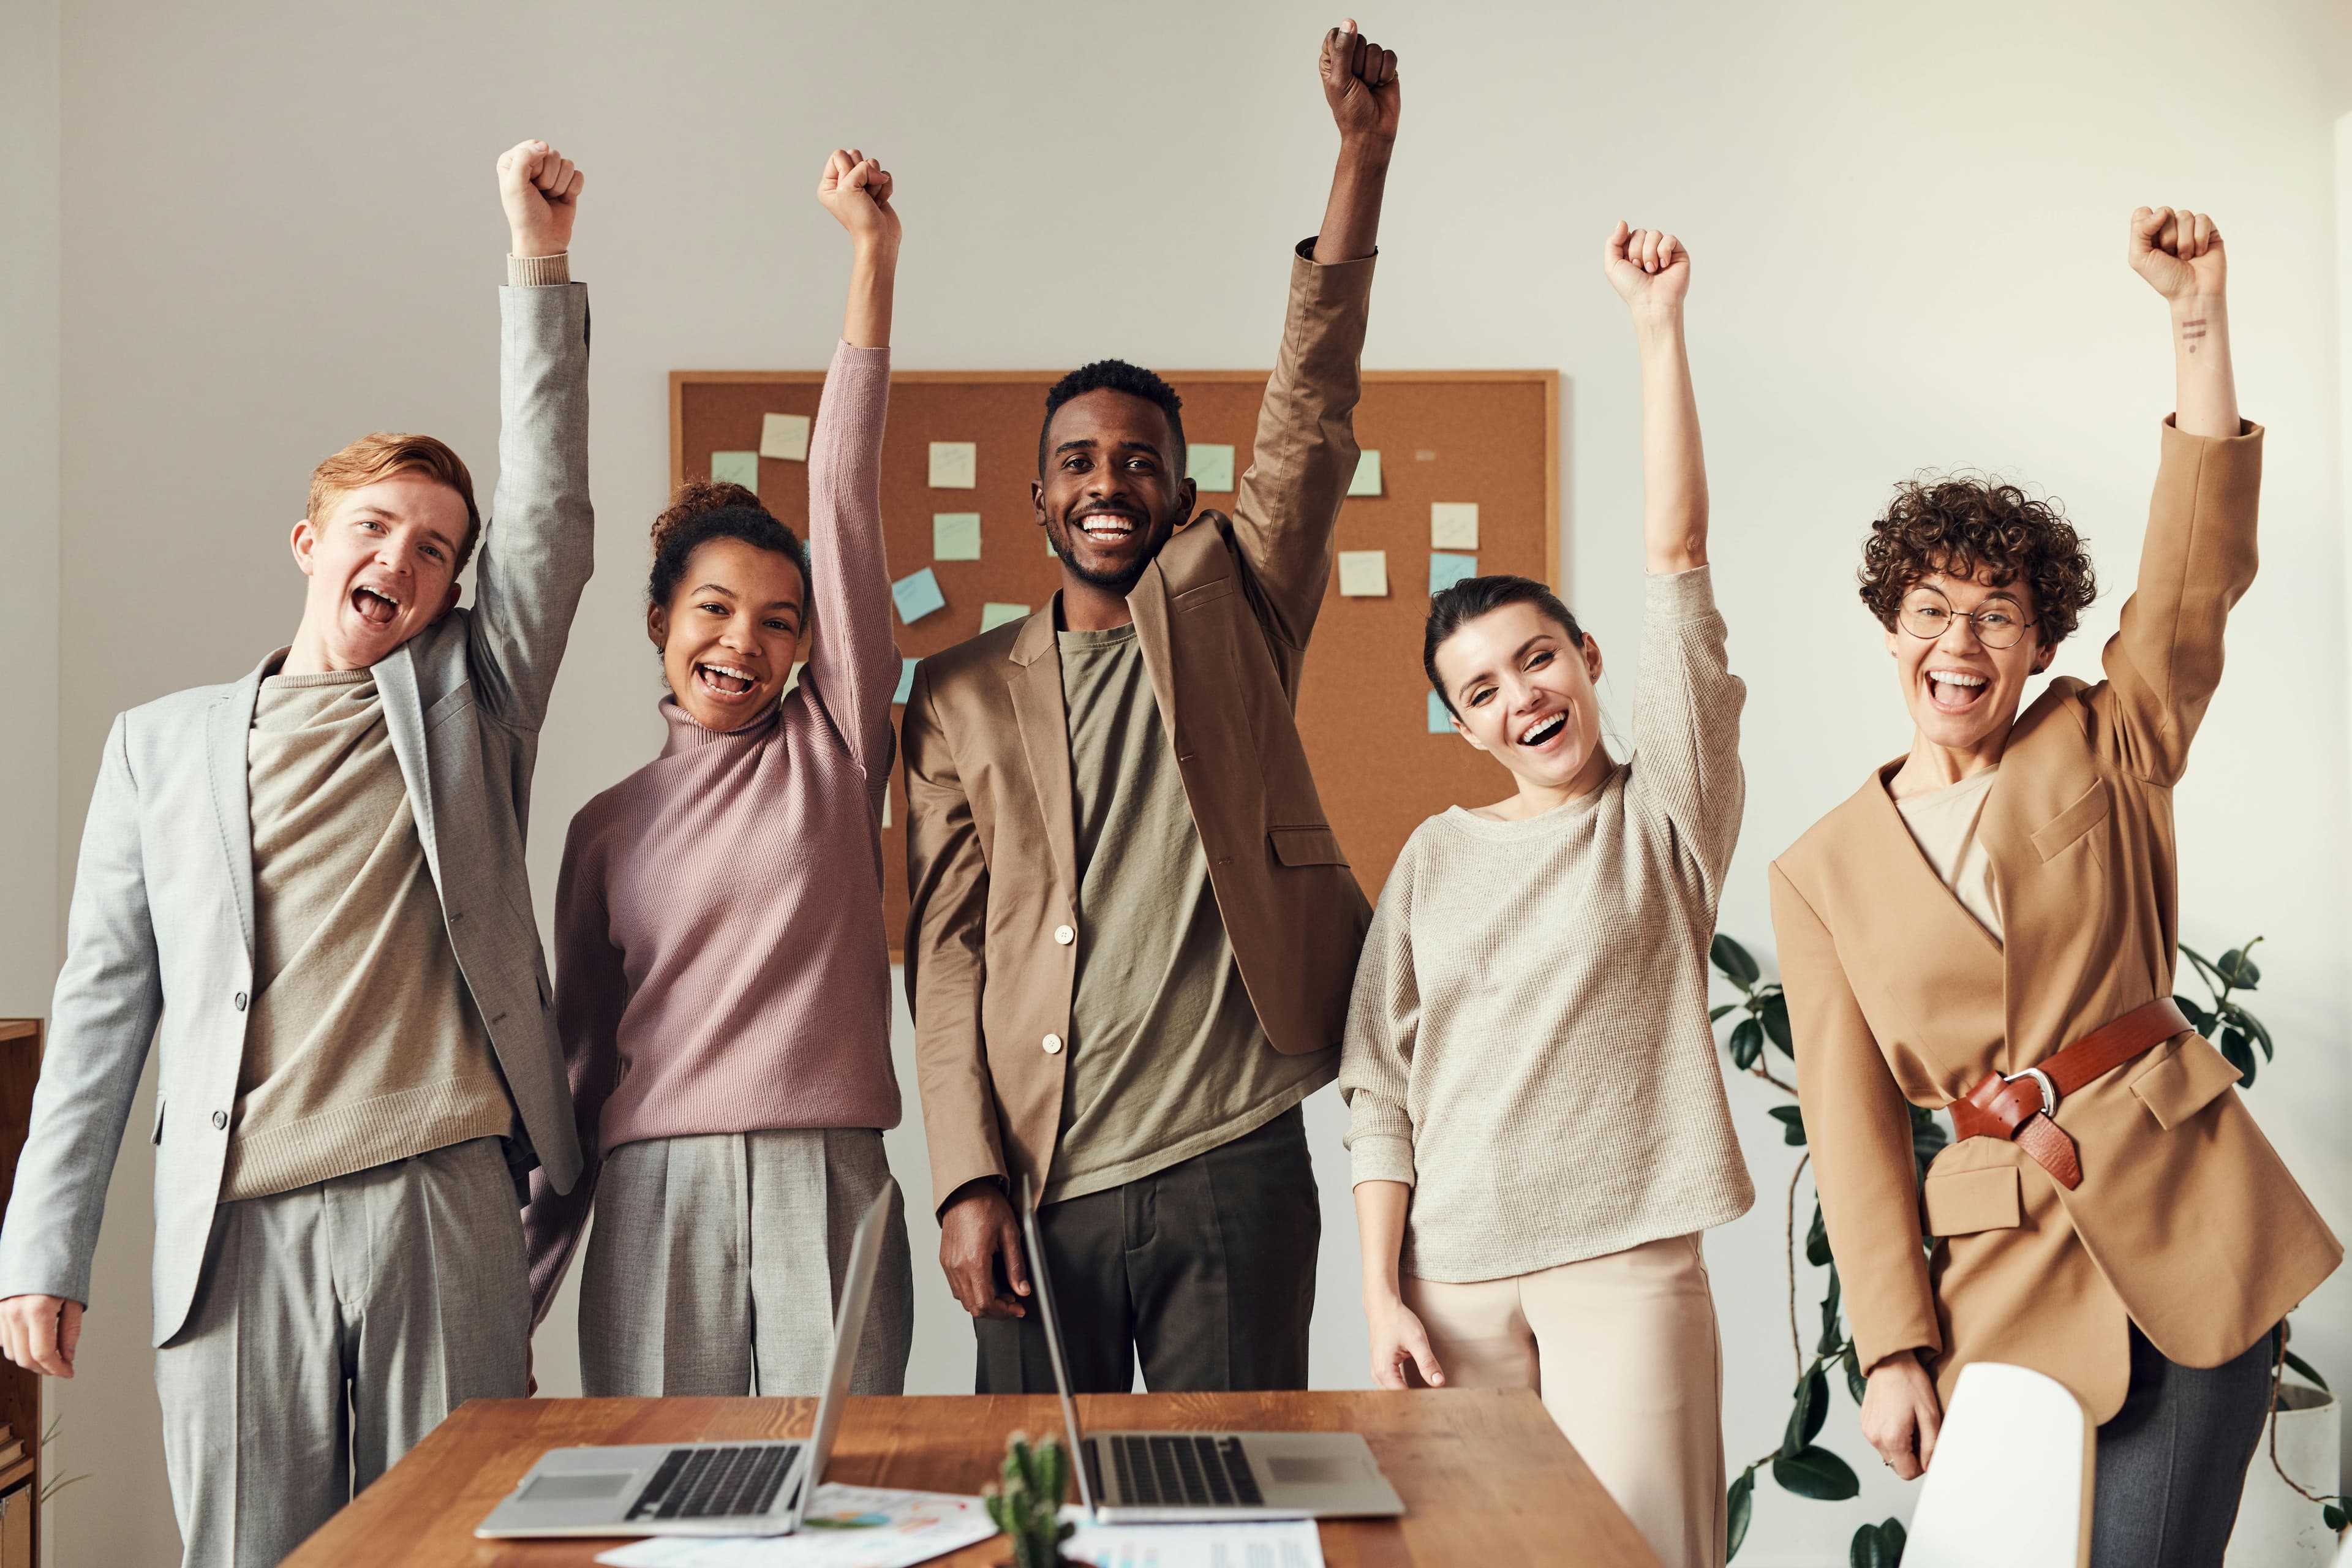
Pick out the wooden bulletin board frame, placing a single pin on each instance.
(1486, 435)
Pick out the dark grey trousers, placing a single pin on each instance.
(1204, 1271)
(2172, 1461)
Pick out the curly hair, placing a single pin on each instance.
(1116, 375)
(702, 511)
(1967, 526)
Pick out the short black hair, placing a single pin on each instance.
(704, 511)
(1453, 608)
(1116, 375)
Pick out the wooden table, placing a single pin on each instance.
(1486, 1477)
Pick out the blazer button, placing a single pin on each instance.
(1064, 935)
(220, 1118)
(1053, 1044)
(240, 1001)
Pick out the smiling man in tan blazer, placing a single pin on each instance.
(1990, 924)
(1132, 931)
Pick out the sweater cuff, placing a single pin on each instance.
(1380, 1157)
(538, 271)
(1678, 595)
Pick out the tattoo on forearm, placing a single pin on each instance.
(2192, 332)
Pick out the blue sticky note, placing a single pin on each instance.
(736, 468)
(1445, 569)
(905, 681)
(916, 595)
(1440, 721)
(955, 536)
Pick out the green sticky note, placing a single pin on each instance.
(955, 536)
(1209, 465)
(1446, 569)
(736, 468)
(905, 681)
(1440, 720)
(993, 615)
(1367, 481)
(916, 595)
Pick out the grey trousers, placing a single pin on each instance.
(2172, 1461)
(334, 1326)
(1204, 1272)
(715, 1262)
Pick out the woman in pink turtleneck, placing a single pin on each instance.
(722, 972)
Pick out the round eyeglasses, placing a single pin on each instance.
(1928, 615)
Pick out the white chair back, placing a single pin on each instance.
(2010, 1484)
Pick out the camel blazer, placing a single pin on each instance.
(2186, 1222)
(1222, 616)
(159, 944)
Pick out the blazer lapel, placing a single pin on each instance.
(403, 722)
(1035, 680)
(1149, 604)
(227, 724)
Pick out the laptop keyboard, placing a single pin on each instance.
(716, 1483)
(1169, 1470)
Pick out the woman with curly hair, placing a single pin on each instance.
(1987, 927)
(722, 983)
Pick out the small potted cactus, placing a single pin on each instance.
(1026, 1503)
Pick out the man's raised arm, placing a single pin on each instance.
(1287, 506)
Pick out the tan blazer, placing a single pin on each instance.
(2186, 1222)
(1222, 618)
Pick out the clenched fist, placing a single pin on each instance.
(1649, 269)
(856, 189)
(1360, 82)
(2179, 253)
(540, 190)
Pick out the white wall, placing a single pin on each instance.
(279, 230)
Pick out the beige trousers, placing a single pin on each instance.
(1624, 1352)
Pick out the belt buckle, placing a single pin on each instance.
(2049, 1090)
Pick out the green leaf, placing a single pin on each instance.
(1746, 1044)
(2333, 1514)
(1792, 1125)
(1816, 1473)
(2238, 1055)
(1869, 1548)
(1774, 1011)
(1715, 1013)
(1891, 1532)
(1830, 1336)
(2237, 968)
(2305, 1370)
(2253, 1026)
(1739, 1503)
(2200, 1019)
(1817, 1240)
(1733, 960)
(1856, 1383)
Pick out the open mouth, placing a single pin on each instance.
(1544, 730)
(1955, 690)
(727, 682)
(1107, 528)
(374, 605)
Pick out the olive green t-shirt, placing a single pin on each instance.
(1167, 1058)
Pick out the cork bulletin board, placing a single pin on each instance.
(1451, 437)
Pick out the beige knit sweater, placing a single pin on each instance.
(1528, 1046)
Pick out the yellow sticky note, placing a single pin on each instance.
(1367, 481)
(993, 615)
(1453, 525)
(1209, 465)
(955, 536)
(785, 435)
(955, 466)
(1363, 573)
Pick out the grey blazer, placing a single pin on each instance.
(161, 929)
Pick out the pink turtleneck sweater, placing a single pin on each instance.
(720, 960)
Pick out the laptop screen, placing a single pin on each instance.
(1044, 1285)
(848, 1330)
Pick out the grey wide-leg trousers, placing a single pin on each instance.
(715, 1262)
(334, 1326)
(2172, 1461)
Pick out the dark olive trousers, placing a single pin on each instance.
(1204, 1272)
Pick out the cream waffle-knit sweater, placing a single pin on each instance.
(1528, 1046)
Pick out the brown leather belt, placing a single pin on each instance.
(2019, 1106)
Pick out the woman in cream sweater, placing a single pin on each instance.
(1536, 1120)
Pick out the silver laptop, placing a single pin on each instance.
(1183, 1477)
(750, 1487)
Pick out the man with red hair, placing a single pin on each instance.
(312, 880)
